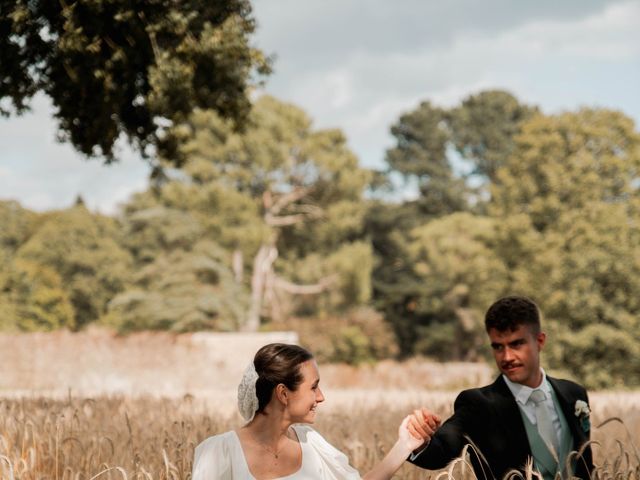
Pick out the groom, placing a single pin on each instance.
(524, 414)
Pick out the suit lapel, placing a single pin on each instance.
(567, 405)
(520, 439)
(507, 410)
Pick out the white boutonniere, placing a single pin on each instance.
(583, 412)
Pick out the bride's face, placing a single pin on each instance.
(303, 401)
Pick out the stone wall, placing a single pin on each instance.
(154, 363)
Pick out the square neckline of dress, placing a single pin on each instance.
(246, 464)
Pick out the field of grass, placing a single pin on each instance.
(93, 405)
(145, 438)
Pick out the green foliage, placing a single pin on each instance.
(284, 186)
(32, 298)
(459, 273)
(150, 231)
(181, 290)
(430, 141)
(397, 285)
(421, 153)
(358, 335)
(278, 152)
(563, 228)
(17, 225)
(113, 68)
(352, 263)
(83, 249)
(484, 126)
(570, 232)
(274, 217)
(229, 217)
(586, 277)
(183, 280)
(348, 270)
(481, 130)
(601, 356)
(361, 336)
(566, 162)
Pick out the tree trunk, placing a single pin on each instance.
(237, 265)
(264, 282)
(262, 265)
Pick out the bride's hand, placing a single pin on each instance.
(411, 440)
(420, 427)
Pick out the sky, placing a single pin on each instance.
(358, 65)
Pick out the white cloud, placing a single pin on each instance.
(612, 34)
(44, 174)
(322, 92)
(548, 59)
(359, 64)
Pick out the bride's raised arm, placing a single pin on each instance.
(408, 440)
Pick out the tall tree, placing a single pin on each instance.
(33, 297)
(18, 224)
(458, 273)
(567, 161)
(568, 204)
(483, 128)
(84, 250)
(291, 197)
(433, 143)
(181, 278)
(432, 146)
(421, 154)
(113, 68)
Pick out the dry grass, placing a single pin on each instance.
(97, 406)
(118, 438)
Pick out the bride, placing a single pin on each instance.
(278, 396)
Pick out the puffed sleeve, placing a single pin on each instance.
(212, 459)
(335, 464)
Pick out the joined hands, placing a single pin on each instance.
(417, 429)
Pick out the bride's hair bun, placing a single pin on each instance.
(278, 363)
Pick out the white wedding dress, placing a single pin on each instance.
(221, 458)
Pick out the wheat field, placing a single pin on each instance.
(147, 438)
(96, 406)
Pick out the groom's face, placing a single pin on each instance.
(517, 354)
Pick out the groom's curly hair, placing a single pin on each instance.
(508, 313)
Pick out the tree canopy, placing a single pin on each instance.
(271, 227)
(127, 68)
(557, 220)
(287, 197)
(84, 250)
(569, 196)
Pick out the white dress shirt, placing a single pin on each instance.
(522, 393)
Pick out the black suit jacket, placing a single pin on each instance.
(490, 418)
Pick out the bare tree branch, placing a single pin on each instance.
(275, 221)
(297, 289)
(287, 199)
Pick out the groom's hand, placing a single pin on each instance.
(423, 424)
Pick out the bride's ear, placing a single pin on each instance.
(282, 394)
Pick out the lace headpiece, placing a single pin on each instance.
(247, 398)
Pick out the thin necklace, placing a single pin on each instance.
(270, 450)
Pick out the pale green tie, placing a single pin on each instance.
(543, 420)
